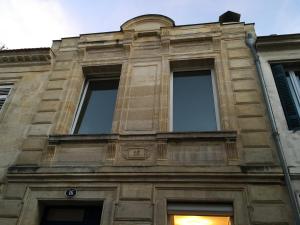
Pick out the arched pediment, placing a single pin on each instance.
(147, 23)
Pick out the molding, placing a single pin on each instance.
(278, 42)
(54, 175)
(16, 57)
(169, 136)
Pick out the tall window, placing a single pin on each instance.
(200, 214)
(97, 107)
(194, 101)
(4, 92)
(72, 215)
(288, 87)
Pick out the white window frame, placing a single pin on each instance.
(215, 95)
(85, 87)
(5, 97)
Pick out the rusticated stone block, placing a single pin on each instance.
(56, 85)
(39, 130)
(236, 44)
(258, 155)
(240, 63)
(8, 221)
(32, 143)
(247, 97)
(52, 95)
(244, 85)
(134, 210)
(10, 208)
(265, 193)
(249, 110)
(44, 117)
(15, 191)
(252, 123)
(255, 139)
(238, 74)
(29, 158)
(136, 191)
(49, 106)
(269, 213)
(239, 53)
(58, 75)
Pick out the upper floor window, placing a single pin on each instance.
(4, 92)
(97, 107)
(288, 86)
(194, 101)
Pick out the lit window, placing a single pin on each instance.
(288, 87)
(200, 214)
(4, 92)
(194, 101)
(97, 107)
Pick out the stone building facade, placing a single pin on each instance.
(280, 61)
(147, 166)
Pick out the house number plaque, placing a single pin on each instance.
(71, 192)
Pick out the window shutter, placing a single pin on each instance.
(4, 91)
(286, 98)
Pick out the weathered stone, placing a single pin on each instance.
(133, 210)
(34, 143)
(136, 191)
(10, 208)
(29, 158)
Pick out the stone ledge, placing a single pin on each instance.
(170, 136)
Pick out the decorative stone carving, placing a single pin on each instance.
(37, 55)
(136, 153)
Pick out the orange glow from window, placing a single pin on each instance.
(201, 220)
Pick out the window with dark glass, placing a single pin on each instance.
(97, 107)
(288, 86)
(193, 101)
(72, 215)
(200, 213)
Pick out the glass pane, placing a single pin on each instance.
(297, 73)
(293, 92)
(201, 220)
(97, 111)
(193, 102)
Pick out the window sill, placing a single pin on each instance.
(168, 136)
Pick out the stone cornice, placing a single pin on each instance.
(278, 42)
(25, 56)
(92, 174)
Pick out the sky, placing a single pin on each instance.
(35, 23)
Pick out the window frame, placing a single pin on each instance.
(214, 89)
(5, 85)
(284, 77)
(82, 98)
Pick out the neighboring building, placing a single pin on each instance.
(280, 61)
(152, 124)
